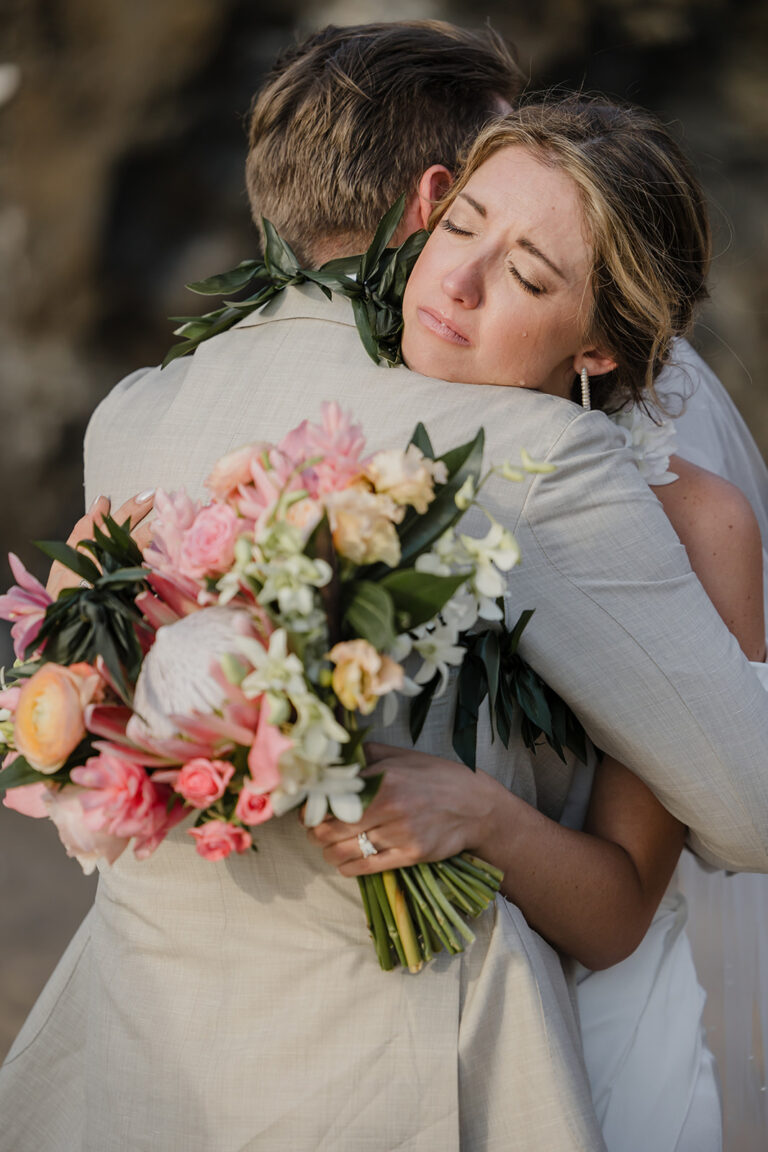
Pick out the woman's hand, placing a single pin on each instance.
(136, 510)
(426, 809)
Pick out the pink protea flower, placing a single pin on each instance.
(216, 839)
(23, 605)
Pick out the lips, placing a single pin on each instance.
(441, 327)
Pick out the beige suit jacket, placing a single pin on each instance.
(239, 1006)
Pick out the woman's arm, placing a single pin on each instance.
(715, 522)
(591, 893)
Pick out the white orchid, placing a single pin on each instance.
(322, 786)
(275, 669)
(496, 552)
(437, 646)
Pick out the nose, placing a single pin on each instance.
(464, 284)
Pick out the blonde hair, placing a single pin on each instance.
(351, 118)
(644, 218)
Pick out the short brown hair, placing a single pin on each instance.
(350, 118)
(645, 220)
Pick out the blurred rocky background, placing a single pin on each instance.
(121, 150)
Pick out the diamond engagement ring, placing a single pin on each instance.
(366, 848)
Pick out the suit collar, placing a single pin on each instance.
(302, 302)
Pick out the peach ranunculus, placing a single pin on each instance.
(201, 782)
(48, 719)
(253, 807)
(81, 840)
(362, 675)
(215, 840)
(406, 477)
(363, 525)
(209, 542)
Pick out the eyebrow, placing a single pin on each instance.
(524, 243)
(479, 208)
(529, 246)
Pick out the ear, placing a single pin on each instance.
(596, 361)
(433, 184)
(432, 187)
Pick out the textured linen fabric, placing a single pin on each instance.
(239, 1005)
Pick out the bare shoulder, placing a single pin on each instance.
(719, 530)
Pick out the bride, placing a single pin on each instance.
(566, 258)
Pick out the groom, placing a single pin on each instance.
(190, 1039)
(348, 120)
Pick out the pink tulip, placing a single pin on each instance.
(29, 800)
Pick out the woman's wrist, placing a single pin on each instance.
(492, 820)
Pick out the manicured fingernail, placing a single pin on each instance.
(144, 496)
(95, 501)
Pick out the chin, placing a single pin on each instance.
(435, 363)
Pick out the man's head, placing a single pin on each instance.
(352, 117)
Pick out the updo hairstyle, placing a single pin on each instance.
(644, 220)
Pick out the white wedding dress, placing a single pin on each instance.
(651, 1040)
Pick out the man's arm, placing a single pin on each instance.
(625, 633)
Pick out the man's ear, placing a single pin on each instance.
(433, 184)
(432, 187)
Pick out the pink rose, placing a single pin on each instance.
(201, 782)
(217, 840)
(119, 796)
(253, 807)
(209, 542)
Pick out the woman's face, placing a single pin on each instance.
(501, 291)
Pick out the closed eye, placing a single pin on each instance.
(449, 226)
(534, 289)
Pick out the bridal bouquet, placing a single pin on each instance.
(225, 670)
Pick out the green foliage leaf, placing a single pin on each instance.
(420, 534)
(420, 706)
(20, 773)
(384, 233)
(421, 440)
(278, 255)
(225, 282)
(70, 558)
(369, 613)
(419, 595)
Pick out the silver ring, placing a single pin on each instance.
(366, 848)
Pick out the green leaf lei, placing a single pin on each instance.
(375, 283)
